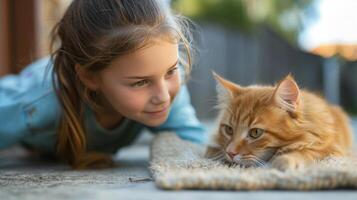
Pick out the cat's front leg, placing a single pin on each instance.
(288, 161)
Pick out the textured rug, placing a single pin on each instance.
(178, 164)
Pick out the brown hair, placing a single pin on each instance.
(92, 33)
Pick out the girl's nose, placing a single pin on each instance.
(161, 93)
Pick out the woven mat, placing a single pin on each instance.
(178, 164)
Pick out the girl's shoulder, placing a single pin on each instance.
(38, 73)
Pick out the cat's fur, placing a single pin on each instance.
(297, 126)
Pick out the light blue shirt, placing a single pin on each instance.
(30, 114)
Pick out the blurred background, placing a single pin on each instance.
(246, 41)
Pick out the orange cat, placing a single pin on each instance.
(282, 125)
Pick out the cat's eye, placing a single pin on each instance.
(228, 130)
(256, 132)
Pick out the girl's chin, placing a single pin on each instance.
(154, 121)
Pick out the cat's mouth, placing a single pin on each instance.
(248, 161)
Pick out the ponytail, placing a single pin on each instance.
(71, 138)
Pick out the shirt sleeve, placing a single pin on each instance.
(182, 119)
(16, 90)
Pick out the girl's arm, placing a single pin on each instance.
(182, 119)
(12, 123)
(17, 94)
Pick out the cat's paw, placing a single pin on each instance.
(286, 162)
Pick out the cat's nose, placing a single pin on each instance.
(231, 154)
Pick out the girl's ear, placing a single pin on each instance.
(87, 78)
(287, 94)
(226, 90)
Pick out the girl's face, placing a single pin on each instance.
(142, 85)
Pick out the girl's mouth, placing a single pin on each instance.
(157, 113)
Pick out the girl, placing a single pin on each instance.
(115, 70)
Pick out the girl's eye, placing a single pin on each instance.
(171, 72)
(228, 130)
(140, 83)
(256, 132)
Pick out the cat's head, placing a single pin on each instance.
(256, 121)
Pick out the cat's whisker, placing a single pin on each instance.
(260, 161)
(217, 157)
(232, 164)
(256, 160)
(216, 154)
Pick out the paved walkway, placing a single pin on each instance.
(30, 178)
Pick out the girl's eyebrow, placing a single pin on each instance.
(146, 77)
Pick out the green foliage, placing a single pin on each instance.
(283, 16)
(229, 13)
(351, 110)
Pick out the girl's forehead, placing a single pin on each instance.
(155, 57)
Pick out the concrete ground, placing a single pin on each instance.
(24, 177)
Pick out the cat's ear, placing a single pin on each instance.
(226, 90)
(287, 94)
